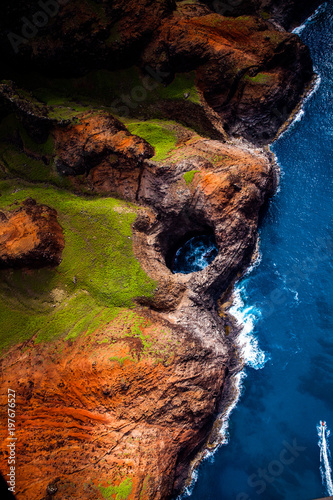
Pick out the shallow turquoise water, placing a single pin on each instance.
(273, 450)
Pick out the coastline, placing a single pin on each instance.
(170, 370)
(233, 387)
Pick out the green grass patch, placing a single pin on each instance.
(120, 492)
(98, 274)
(17, 163)
(265, 15)
(112, 89)
(183, 83)
(260, 78)
(244, 18)
(157, 134)
(14, 162)
(137, 324)
(121, 360)
(46, 148)
(188, 176)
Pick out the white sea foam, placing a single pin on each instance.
(320, 9)
(237, 380)
(255, 264)
(325, 457)
(247, 317)
(301, 113)
(251, 355)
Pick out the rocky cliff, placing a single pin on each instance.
(30, 236)
(131, 140)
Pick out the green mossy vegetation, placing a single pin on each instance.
(189, 176)
(30, 161)
(120, 492)
(122, 360)
(157, 133)
(137, 324)
(17, 164)
(260, 78)
(276, 37)
(111, 89)
(244, 18)
(97, 277)
(183, 84)
(264, 14)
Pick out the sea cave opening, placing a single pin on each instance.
(196, 254)
(191, 252)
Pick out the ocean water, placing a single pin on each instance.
(196, 254)
(279, 432)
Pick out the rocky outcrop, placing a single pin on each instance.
(249, 70)
(249, 73)
(132, 404)
(32, 113)
(100, 145)
(73, 36)
(230, 183)
(30, 236)
(112, 410)
(288, 13)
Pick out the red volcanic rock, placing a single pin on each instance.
(133, 402)
(230, 183)
(95, 138)
(251, 74)
(115, 408)
(30, 236)
(106, 409)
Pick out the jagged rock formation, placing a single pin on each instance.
(108, 414)
(101, 146)
(30, 236)
(238, 62)
(72, 36)
(250, 71)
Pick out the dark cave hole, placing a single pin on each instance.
(194, 253)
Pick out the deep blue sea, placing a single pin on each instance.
(273, 451)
